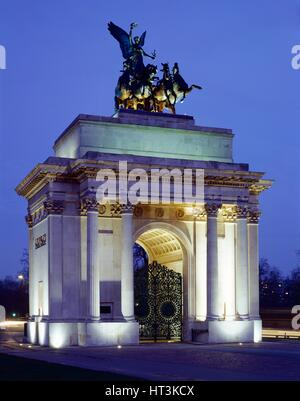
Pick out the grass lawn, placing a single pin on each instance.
(17, 368)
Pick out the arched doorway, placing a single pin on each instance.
(158, 280)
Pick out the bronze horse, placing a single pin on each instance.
(142, 88)
(171, 89)
(123, 90)
(163, 93)
(136, 92)
(180, 87)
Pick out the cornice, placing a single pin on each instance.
(82, 169)
(38, 177)
(260, 186)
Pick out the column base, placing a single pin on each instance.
(242, 317)
(129, 319)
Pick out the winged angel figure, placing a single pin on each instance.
(138, 87)
(132, 48)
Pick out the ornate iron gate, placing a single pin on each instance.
(158, 302)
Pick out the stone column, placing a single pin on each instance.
(201, 273)
(227, 264)
(253, 258)
(242, 286)
(93, 277)
(127, 273)
(54, 287)
(32, 284)
(212, 262)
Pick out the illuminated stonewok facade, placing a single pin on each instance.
(81, 263)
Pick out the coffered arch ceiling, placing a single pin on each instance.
(161, 245)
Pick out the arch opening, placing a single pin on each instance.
(159, 260)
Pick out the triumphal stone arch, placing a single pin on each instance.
(82, 279)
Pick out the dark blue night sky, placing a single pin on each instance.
(61, 61)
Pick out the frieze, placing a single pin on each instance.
(138, 211)
(179, 213)
(102, 209)
(37, 216)
(199, 213)
(117, 209)
(159, 212)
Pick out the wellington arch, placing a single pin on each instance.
(203, 257)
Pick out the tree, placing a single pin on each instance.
(24, 272)
(293, 284)
(14, 290)
(272, 286)
(14, 297)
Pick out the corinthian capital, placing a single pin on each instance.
(88, 204)
(117, 209)
(229, 214)
(54, 206)
(212, 209)
(253, 216)
(127, 208)
(241, 212)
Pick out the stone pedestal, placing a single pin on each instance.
(65, 334)
(237, 331)
(145, 134)
(108, 333)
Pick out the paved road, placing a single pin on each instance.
(265, 361)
